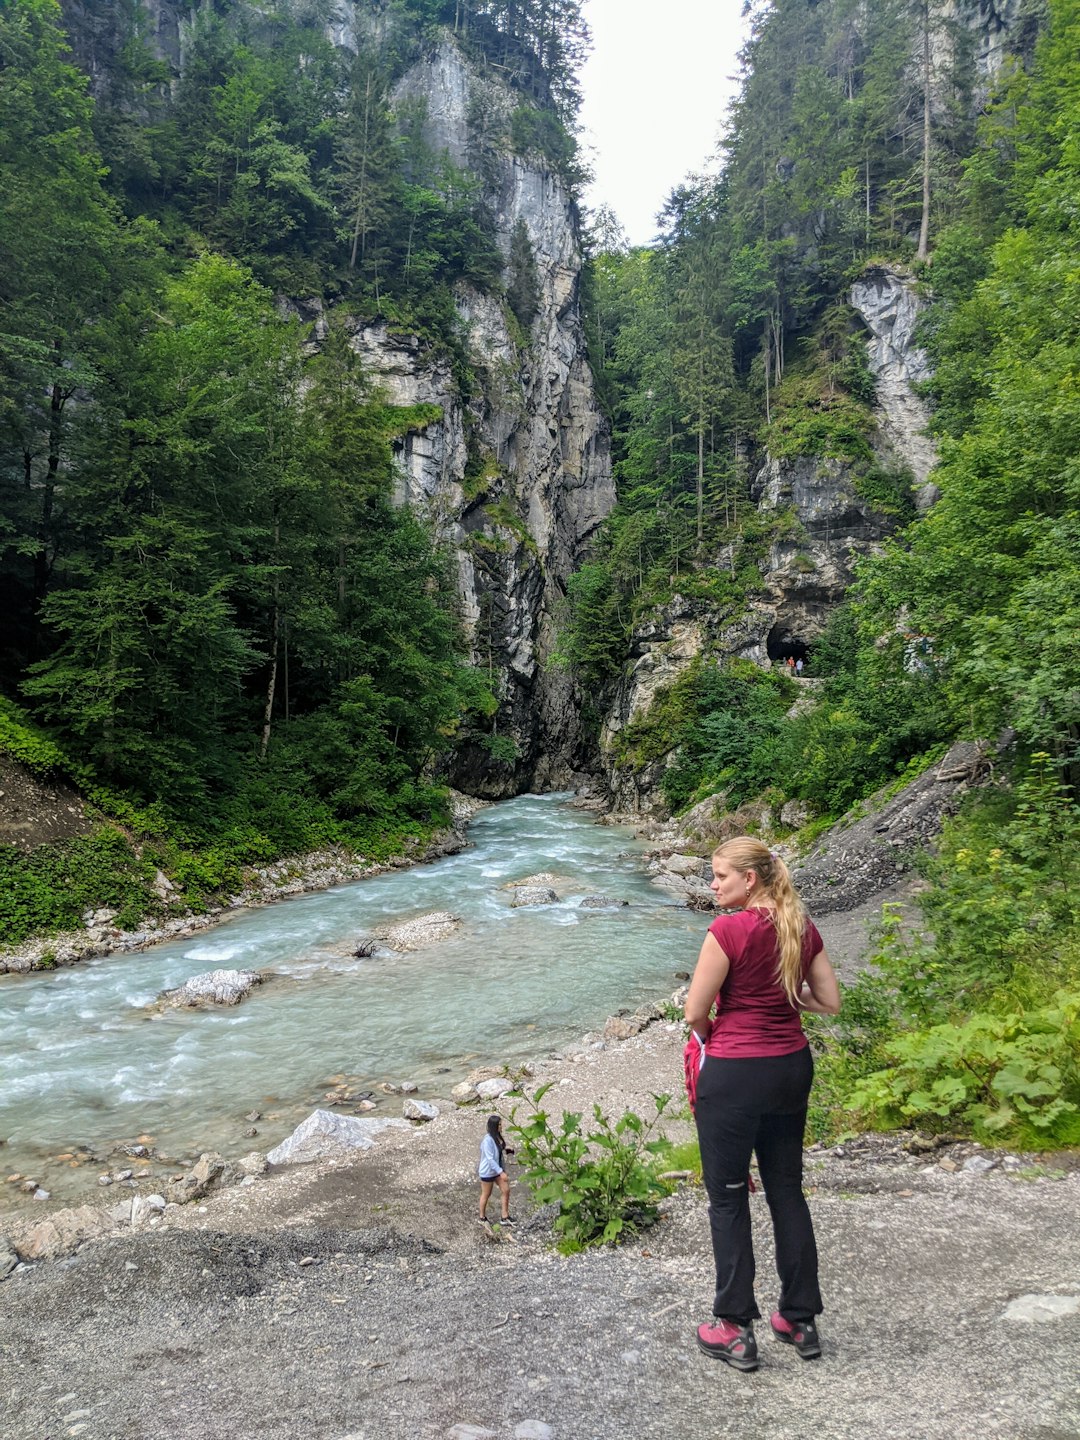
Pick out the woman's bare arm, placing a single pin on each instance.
(821, 989)
(709, 974)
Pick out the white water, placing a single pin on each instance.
(82, 1064)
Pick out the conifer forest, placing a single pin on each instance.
(231, 626)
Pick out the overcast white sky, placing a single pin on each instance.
(656, 88)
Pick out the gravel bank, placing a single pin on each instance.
(409, 1320)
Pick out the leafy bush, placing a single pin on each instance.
(1015, 1076)
(48, 889)
(604, 1180)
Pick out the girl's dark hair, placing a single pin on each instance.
(493, 1123)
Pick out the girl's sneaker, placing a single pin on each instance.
(802, 1334)
(734, 1344)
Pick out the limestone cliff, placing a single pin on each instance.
(821, 525)
(516, 473)
(518, 476)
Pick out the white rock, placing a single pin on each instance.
(419, 1110)
(683, 865)
(470, 1432)
(415, 934)
(216, 987)
(325, 1134)
(533, 1430)
(533, 895)
(464, 1094)
(494, 1088)
(1038, 1309)
(978, 1164)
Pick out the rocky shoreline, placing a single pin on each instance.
(264, 885)
(359, 1298)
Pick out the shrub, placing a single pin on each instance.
(1014, 1077)
(604, 1180)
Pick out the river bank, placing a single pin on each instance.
(362, 1300)
(263, 885)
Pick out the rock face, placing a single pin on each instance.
(519, 478)
(890, 307)
(825, 525)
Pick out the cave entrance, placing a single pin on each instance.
(782, 645)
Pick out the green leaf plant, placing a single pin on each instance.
(604, 1179)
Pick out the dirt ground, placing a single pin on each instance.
(365, 1302)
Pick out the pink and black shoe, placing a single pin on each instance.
(802, 1334)
(734, 1344)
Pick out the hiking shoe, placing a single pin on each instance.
(734, 1344)
(800, 1333)
(507, 1220)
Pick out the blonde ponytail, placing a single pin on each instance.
(789, 914)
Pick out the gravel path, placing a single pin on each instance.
(410, 1320)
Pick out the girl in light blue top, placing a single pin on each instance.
(492, 1149)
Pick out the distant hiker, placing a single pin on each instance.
(798, 666)
(492, 1149)
(763, 966)
(791, 662)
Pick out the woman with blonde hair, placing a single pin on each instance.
(763, 964)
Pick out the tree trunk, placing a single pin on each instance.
(924, 222)
(359, 242)
(272, 683)
(700, 483)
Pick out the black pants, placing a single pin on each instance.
(759, 1106)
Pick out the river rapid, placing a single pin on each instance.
(86, 1068)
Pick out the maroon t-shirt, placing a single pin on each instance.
(754, 1014)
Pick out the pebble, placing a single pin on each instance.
(470, 1432)
(947, 1164)
(533, 1430)
(1039, 1309)
(40, 1194)
(978, 1164)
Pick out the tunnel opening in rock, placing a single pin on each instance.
(782, 645)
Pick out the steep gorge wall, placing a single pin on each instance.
(827, 525)
(516, 474)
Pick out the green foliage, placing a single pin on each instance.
(972, 1021)
(48, 889)
(604, 1179)
(726, 727)
(1014, 1077)
(23, 742)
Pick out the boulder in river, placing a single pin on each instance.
(325, 1135)
(602, 902)
(216, 987)
(424, 930)
(533, 895)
